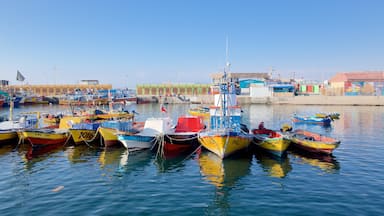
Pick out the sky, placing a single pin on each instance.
(130, 42)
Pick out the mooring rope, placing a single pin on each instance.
(181, 140)
(161, 143)
(87, 142)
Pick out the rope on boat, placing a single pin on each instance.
(87, 142)
(161, 142)
(68, 138)
(181, 140)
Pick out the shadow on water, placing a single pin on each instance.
(224, 175)
(273, 165)
(326, 163)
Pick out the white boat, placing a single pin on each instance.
(154, 130)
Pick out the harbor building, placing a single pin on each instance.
(357, 83)
(55, 89)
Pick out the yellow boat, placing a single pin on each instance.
(223, 173)
(225, 143)
(7, 136)
(83, 135)
(199, 111)
(109, 137)
(271, 141)
(226, 135)
(314, 142)
(44, 136)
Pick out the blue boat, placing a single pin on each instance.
(326, 121)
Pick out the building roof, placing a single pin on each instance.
(358, 76)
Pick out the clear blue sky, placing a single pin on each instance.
(129, 42)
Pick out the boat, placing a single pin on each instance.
(225, 136)
(108, 131)
(199, 111)
(312, 120)
(332, 115)
(152, 131)
(272, 141)
(10, 128)
(184, 137)
(313, 142)
(84, 132)
(45, 136)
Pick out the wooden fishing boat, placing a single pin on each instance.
(332, 115)
(184, 136)
(312, 120)
(313, 142)
(45, 136)
(108, 130)
(7, 136)
(144, 138)
(271, 141)
(9, 129)
(84, 132)
(199, 111)
(225, 135)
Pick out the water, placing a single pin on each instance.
(91, 181)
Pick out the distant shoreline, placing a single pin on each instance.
(295, 100)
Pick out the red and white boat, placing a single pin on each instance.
(184, 137)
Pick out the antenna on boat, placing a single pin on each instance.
(227, 64)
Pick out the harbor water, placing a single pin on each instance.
(88, 180)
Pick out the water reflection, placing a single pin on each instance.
(33, 155)
(80, 153)
(120, 160)
(326, 163)
(42, 152)
(224, 175)
(173, 161)
(6, 148)
(221, 172)
(274, 166)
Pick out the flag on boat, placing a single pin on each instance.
(19, 76)
(162, 108)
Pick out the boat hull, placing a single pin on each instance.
(225, 144)
(175, 143)
(276, 146)
(109, 136)
(45, 137)
(80, 136)
(313, 142)
(312, 120)
(271, 141)
(136, 142)
(7, 136)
